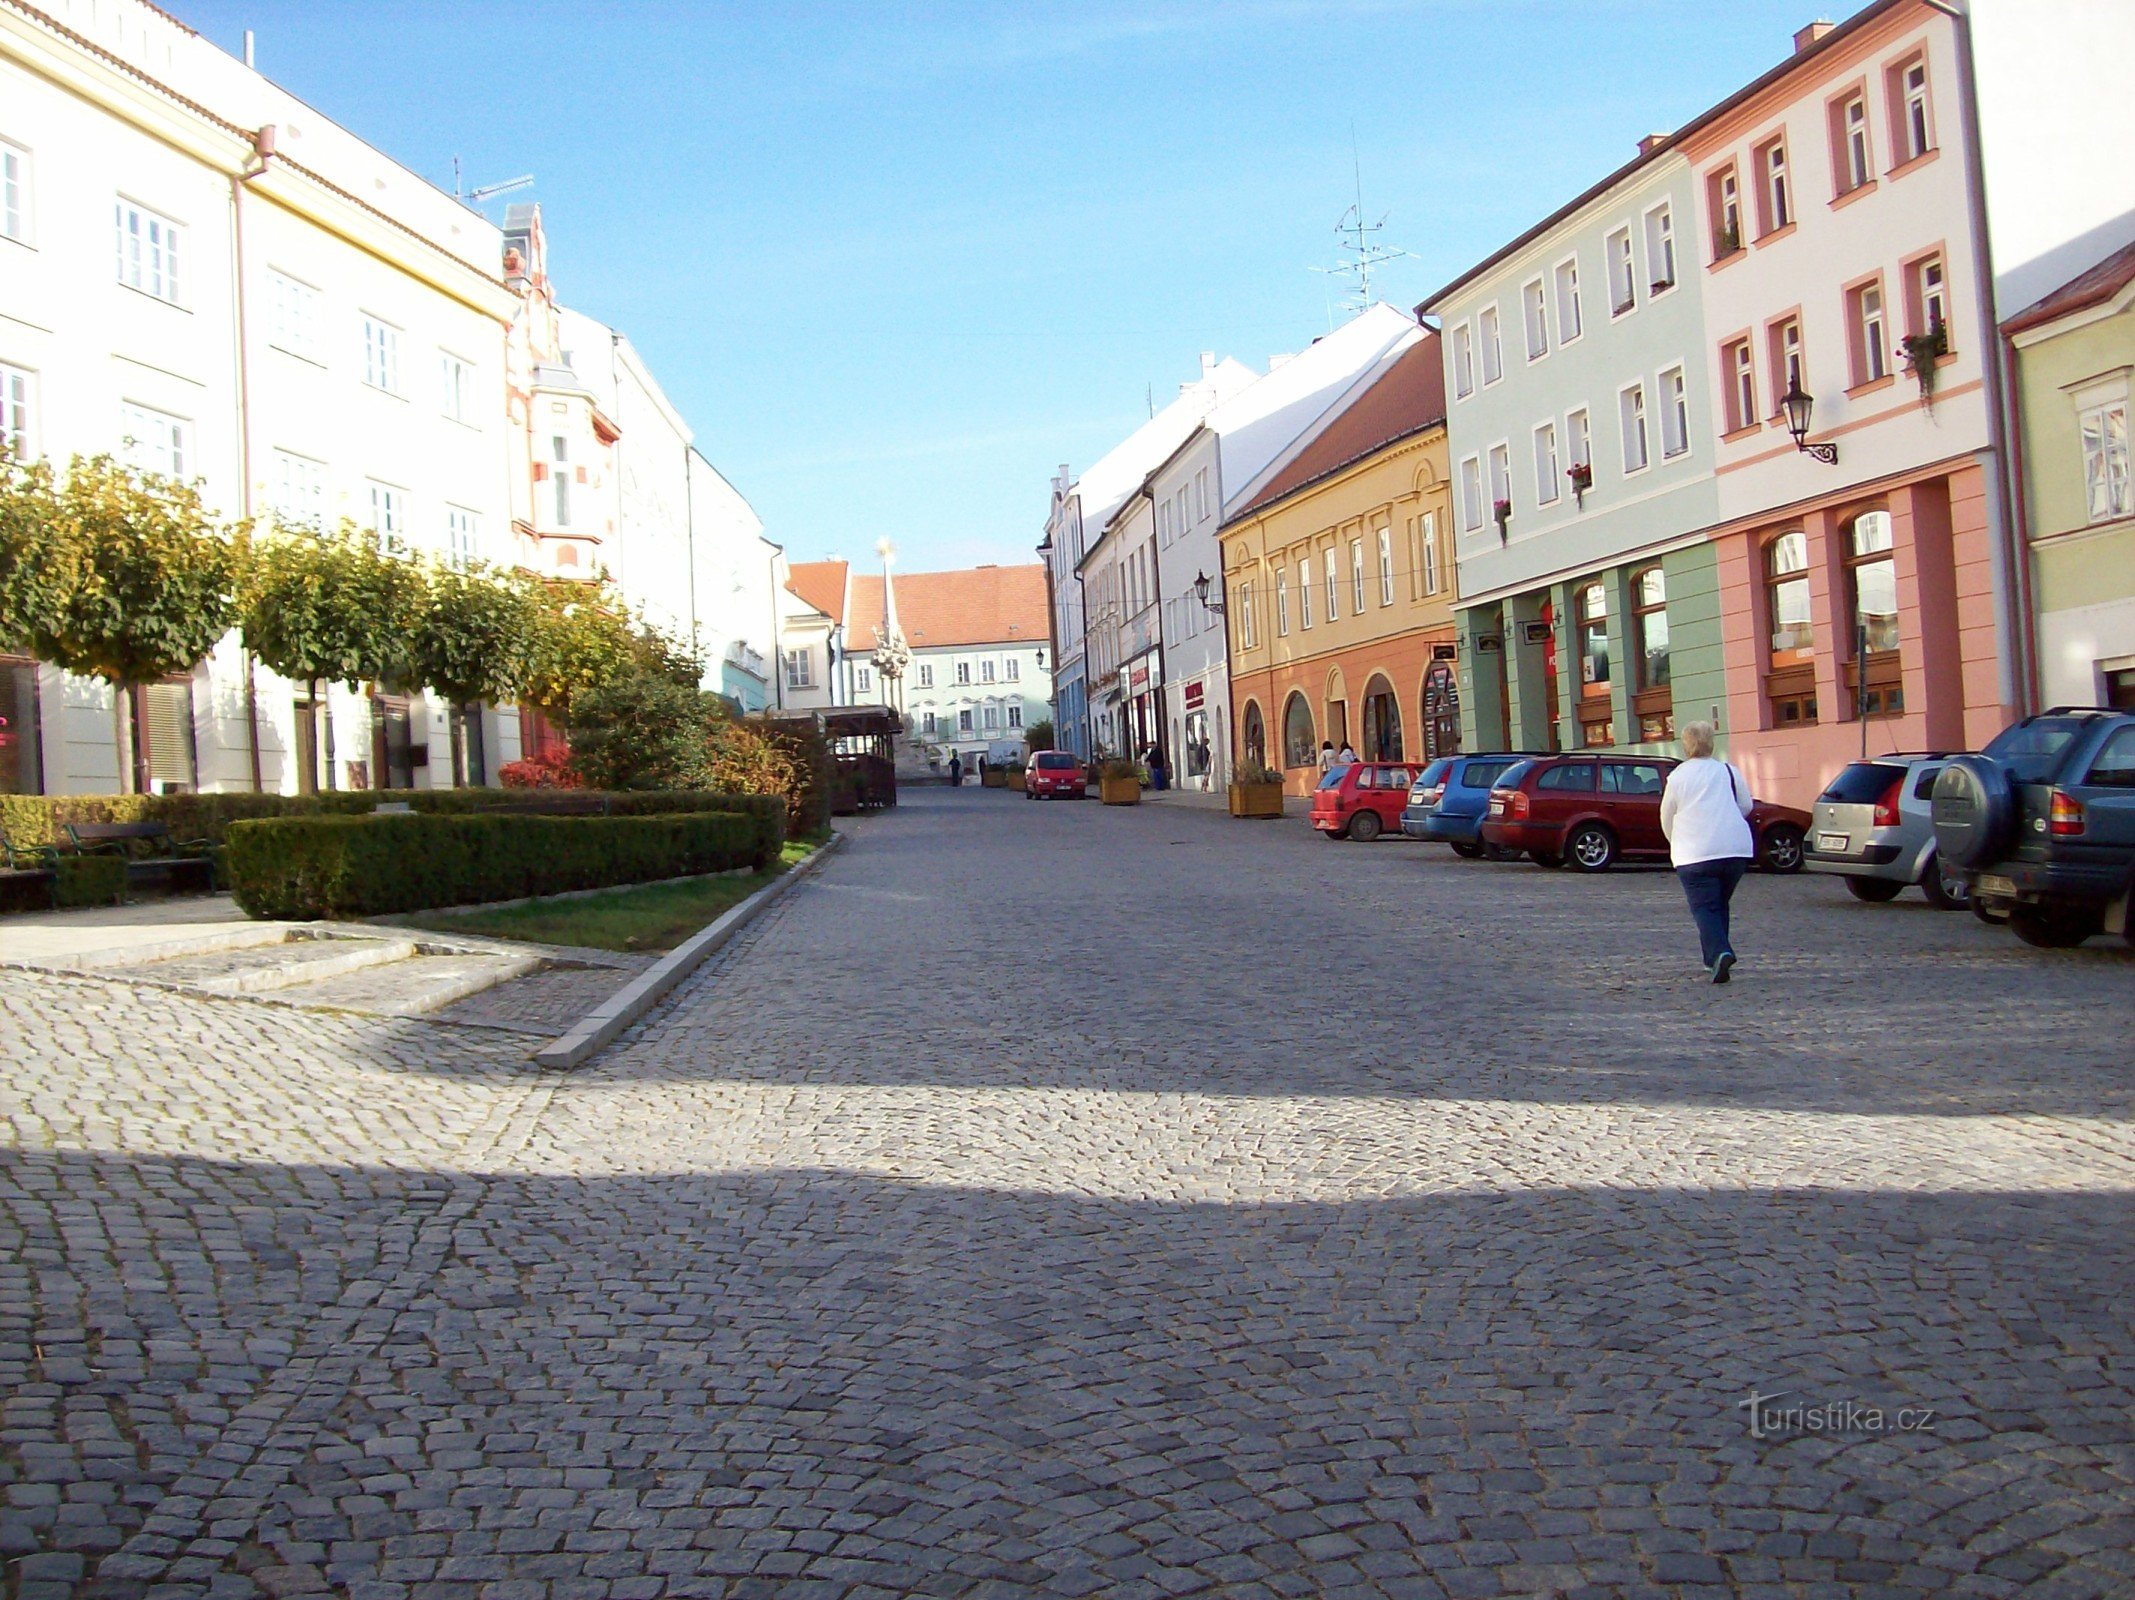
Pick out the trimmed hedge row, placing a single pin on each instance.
(301, 867)
(42, 819)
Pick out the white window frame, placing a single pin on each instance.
(1633, 422)
(1246, 638)
(463, 535)
(1014, 713)
(1386, 566)
(1578, 439)
(381, 354)
(155, 441)
(297, 310)
(1791, 365)
(1014, 670)
(1282, 603)
(1333, 563)
(1855, 150)
(1871, 331)
(1675, 412)
(1548, 469)
(1534, 318)
(1741, 365)
(18, 219)
(151, 251)
(1935, 297)
(1430, 552)
(1471, 494)
(1571, 315)
(963, 673)
(1304, 592)
(18, 411)
(1917, 112)
(388, 506)
(2099, 405)
(1356, 576)
(1500, 469)
(455, 374)
(1489, 335)
(1776, 174)
(926, 675)
(1663, 272)
(1462, 347)
(800, 667)
(963, 720)
(1622, 264)
(299, 488)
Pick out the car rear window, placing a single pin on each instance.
(2114, 767)
(1434, 773)
(1510, 777)
(1056, 763)
(1480, 774)
(1572, 775)
(2032, 750)
(1862, 783)
(1332, 779)
(1924, 784)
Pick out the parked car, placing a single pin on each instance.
(1449, 797)
(2042, 824)
(1875, 827)
(1362, 800)
(1051, 774)
(1592, 811)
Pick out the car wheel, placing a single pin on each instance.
(1944, 892)
(1780, 848)
(1466, 849)
(1544, 858)
(1591, 848)
(2051, 929)
(1876, 891)
(1995, 916)
(1364, 827)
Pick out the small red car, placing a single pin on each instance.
(1052, 773)
(1363, 800)
(1588, 812)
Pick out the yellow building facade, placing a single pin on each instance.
(1338, 580)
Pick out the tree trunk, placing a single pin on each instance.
(322, 707)
(252, 723)
(122, 734)
(459, 763)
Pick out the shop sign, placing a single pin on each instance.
(1193, 697)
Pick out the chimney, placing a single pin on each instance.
(1651, 142)
(1809, 35)
(1208, 362)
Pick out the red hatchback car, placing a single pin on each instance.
(1363, 800)
(1051, 774)
(1590, 811)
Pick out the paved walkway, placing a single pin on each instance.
(1392, 1226)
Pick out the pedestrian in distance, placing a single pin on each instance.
(1155, 763)
(1705, 814)
(956, 770)
(1348, 757)
(1326, 754)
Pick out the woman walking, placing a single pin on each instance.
(1704, 812)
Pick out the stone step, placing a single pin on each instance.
(198, 941)
(267, 969)
(423, 982)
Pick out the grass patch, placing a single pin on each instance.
(651, 918)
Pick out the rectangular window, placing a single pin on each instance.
(1493, 350)
(1386, 567)
(1546, 468)
(963, 672)
(1631, 416)
(150, 247)
(1675, 413)
(381, 355)
(992, 716)
(294, 312)
(800, 669)
(1430, 553)
(389, 512)
(1304, 592)
(1014, 670)
(926, 675)
(1786, 360)
(1870, 337)
(1245, 614)
(1500, 480)
(1463, 361)
(15, 433)
(1913, 125)
(1282, 603)
(928, 725)
(1334, 586)
(1739, 369)
(155, 441)
(1723, 202)
(1201, 495)
(2105, 459)
(1927, 300)
(299, 489)
(454, 386)
(1534, 309)
(1579, 438)
(1851, 163)
(863, 680)
(963, 722)
(1623, 273)
(986, 670)
(1356, 573)
(1569, 324)
(463, 535)
(14, 192)
(1775, 195)
(1015, 715)
(1660, 248)
(1471, 494)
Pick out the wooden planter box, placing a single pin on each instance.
(1119, 791)
(1256, 799)
(996, 778)
(1015, 779)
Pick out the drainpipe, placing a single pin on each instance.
(689, 534)
(2012, 554)
(263, 143)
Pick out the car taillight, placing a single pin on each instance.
(1430, 797)
(1512, 802)
(1887, 805)
(2064, 816)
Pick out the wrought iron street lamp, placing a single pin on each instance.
(1799, 405)
(1202, 583)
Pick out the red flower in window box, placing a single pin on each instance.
(1582, 476)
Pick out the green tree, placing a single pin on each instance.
(334, 607)
(641, 731)
(581, 636)
(1038, 736)
(150, 585)
(37, 566)
(473, 641)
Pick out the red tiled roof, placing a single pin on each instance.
(2090, 288)
(1408, 397)
(821, 584)
(980, 605)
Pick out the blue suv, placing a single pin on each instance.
(1450, 798)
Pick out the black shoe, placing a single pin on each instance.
(1723, 968)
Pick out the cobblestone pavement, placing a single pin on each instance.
(1394, 1226)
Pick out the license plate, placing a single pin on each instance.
(1990, 883)
(1834, 844)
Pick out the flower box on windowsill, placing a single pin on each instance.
(1623, 306)
(1661, 285)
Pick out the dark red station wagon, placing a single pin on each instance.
(1363, 800)
(1588, 812)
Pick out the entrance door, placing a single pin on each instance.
(1548, 619)
(392, 742)
(1382, 727)
(1338, 722)
(1441, 710)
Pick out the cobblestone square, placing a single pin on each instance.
(1404, 1226)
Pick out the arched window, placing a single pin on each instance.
(1298, 749)
(1256, 735)
(1872, 571)
(1382, 722)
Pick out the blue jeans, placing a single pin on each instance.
(1708, 886)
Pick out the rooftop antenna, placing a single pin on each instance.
(1361, 251)
(488, 191)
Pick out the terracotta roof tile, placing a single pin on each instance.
(980, 605)
(821, 584)
(2090, 288)
(1409, 396)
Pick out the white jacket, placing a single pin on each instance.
(1704, 811)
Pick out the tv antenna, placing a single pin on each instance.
(488, 191)
(1357, 243)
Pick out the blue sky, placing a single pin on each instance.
(896, 263)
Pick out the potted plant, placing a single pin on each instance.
(1923, 352)
(1726, 242)
(1502, 511)
(1256, 790)
(1582, 475)
(1015, 779)
(1119, 783)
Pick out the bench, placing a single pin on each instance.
(159, 858)
(28, 867)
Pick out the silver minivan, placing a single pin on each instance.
(1875, 828)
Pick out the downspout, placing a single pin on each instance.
(1158, 688)
(2012, 552)
(263, 143)
(689, 526)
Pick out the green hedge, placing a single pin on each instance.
(90, 880)
(293, 867)
(42, 819)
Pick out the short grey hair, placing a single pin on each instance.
(1697, 739)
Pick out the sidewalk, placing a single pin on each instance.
(43, 936)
